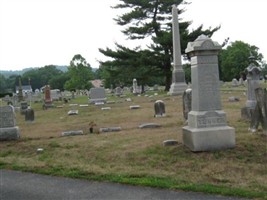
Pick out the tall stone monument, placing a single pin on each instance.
(8, 128)
(135, 87)
(253, 82)
(20, 94)
(178, 76)
(207, 129)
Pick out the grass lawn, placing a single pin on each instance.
(137, 156)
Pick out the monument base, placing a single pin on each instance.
(209, 139)
(11, 133)
(177, 89)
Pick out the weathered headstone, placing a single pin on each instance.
(259, 115)
(47, 97)
(97, 95)
(23, 107)
(135, 87)
(170, 142)
(110, 129)
(207, 128)
(8, 128)
(134, 107)
(253, 82)
(72, 133)
(187, 102)
(73, 112)
(29, 115)
(149, 125)
(118, 91)
(159, 108)
(106, 108)
(234, 82)
(178, 76)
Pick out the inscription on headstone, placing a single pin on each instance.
(8, 128)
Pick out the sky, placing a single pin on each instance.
(36, 33)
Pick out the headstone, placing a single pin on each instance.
(135, 87)
(72, 133)
(253, 82)
(97, 95)
(8, 128)
(233, 99)
(155, 87)
(110, 129)
(118, 91)
(134, 107)
(159, 108)
(73, 112)
(170, 142)
(83, 105)
(187, 103)
(149, 125)
(106, 108)
(23, 107)
(259, 115)
(207, 128)
(29, 115)
(47, 97)
(178, 76)
(234, 82)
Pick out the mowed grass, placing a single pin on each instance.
(137, 156)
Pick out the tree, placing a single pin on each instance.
(40, 77)
(127, 65)
(80, 74)
(235, 59)
(3, 85)
(152, 19)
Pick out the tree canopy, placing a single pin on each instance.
(80, 74)
(235, 59)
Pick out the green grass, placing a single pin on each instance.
(136, 156)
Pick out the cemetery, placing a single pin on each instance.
(206, 136)
(119, 149)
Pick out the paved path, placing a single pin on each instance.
(16, 185)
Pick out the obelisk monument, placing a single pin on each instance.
(178, 85)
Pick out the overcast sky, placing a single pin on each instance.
(35, 33)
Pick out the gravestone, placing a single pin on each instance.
(259, 115)
(135, 87)
(133, 107)
(72, 133)
(23, 107)
(159, 108)
(110, 129)
(118, 91)
(235, 82)
(178, 76)
(8, 128)
(73, 112)
(97, 95)
(207, 128)
(149, 125)
(29, 115)
(253, 82)
(170, 142)
(187, 102)
(47, 97)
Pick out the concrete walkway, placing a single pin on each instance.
(16, 185)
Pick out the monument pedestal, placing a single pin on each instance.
(177, 88)
(11, 133)
(208, 131)
(209, 139)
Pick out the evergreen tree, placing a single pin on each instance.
(152, 19)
